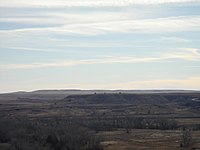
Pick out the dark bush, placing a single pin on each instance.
(47, 134)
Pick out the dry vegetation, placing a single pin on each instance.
(100, 120)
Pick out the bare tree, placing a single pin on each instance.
(186, 139)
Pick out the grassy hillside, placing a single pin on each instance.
(119, 120)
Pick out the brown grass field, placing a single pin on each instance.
(88, 107)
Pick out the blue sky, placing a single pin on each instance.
(99, 44)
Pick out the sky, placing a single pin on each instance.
(99, 44)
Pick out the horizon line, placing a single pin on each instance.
(114, 90)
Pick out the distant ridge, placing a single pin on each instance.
(79, 91)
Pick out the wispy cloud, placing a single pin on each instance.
(52, 18)
(174, 39)
(31, 49)
(49, 34)
(189, 54)
(86, 3)
(67, 45)
(159, 25)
